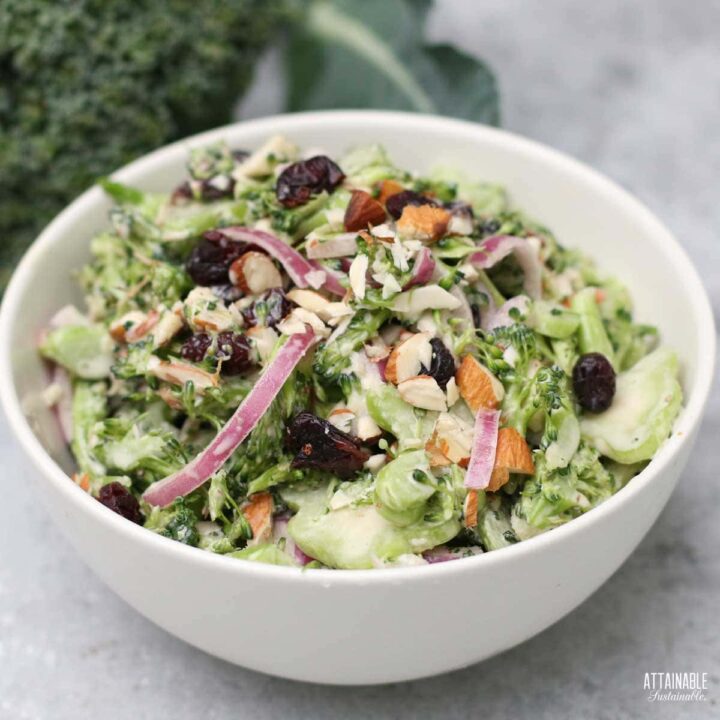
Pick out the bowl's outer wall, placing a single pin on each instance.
(373, 629)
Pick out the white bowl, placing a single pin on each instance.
(370, 626)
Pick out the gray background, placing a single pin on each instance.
(631, 88)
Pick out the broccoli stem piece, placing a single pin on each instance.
(332, 359)
(89, 406)
(591, 331)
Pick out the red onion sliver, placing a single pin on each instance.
(296, 266)
(482, 456)
(237, 428)
(500, 317)
(423, 269)
(493, 249)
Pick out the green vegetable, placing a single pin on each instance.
(89, 406)
(89, 85)
(84, 350)
(264, 553)
(591, 331)
(553, 496)
(403, 487)
(647, 400)
(552, 320)
(494, 530)
(487, 199)
(391, 413)
(177, 522)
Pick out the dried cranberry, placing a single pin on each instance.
(442, 363)
(195, 347)
(240, 155)
(318, 444)
(299, 181)
(268, 310)
(211, 258)
(395, 204)
(181, 194)
(594, 382)
(120, 500)
(234, 350)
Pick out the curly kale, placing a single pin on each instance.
(89, 85)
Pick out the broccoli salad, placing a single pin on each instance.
(336, 363)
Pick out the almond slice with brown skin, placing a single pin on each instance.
(435, 455)
(513, 455)
(470, 509)
(362, 211)
(423, 222)
(478, 387)
(258, 512)
(408, 357)
(388, 188)
(254, 273)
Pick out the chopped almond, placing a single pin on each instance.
(470, 509)
(258, 513)
(423, 392)
(407, 358)
(435, 455)
(254, 272)
(388, 188)
(454, 438)
(179, 373)
(120, 328)
(478, 387)
(423, 222)
(513, 455)
(363, 210)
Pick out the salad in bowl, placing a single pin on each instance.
(336, 363)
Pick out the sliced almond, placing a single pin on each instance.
(167, 396)
(513, 455)
(120, 328)
(452, 392)
(168, 326)
(435, 456)
(423, 222)
(342, 419)
(407, 358)
(362, 211)
(296, 321)
(203, 311)
(356, 274)
(254, 273)
(388, 188)
(423, 392)
(426, 297)
(470, 509)
(258, 512)
(366, 428)
(453, 437)
(335, 246)
(478, 387)
(308, 299)
(179, 373)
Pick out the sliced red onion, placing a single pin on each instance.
(237, 428)
(493, 249)
(301, 272)
(381, 366)
(332, 279)
(441, 553)
(280, 532)
(423, 269)
(63, 407)
(482, 455)
(500, 317)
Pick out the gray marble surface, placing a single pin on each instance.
(631, 88)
